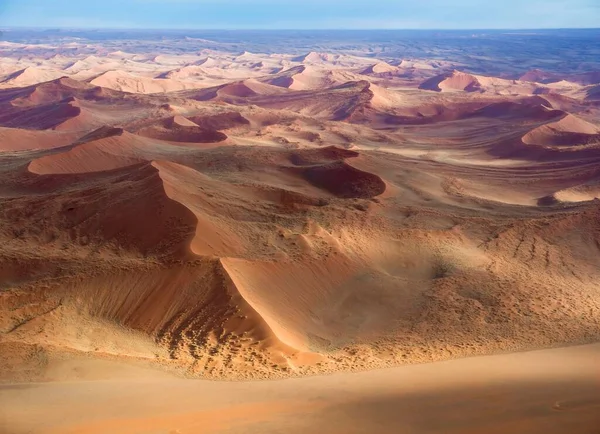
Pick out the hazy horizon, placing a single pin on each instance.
(311, 15)
(258, 29)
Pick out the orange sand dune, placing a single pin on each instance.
(310, 77)
(125, 82)
(181, 129)
(568, 131)
(106, 149)
(14, 139)
(29, 76)
(66, 114)
(379, 68)
(533, 108)
(452, 81)
(221, 121)
(251, 215)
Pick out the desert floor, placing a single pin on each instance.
(548, 391)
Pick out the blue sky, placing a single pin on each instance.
(302, 14)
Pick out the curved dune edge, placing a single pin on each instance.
(567, 131)
(102, 150)
(183, 130)
(452, 81)
(345, 181)
(14, 139)
(194, 310)
(109, 148)
(581, 193)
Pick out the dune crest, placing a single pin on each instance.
(568, 131)
(217, 211)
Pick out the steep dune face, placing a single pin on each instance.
(310, 77)
(29, 76)
(221, 121)
(215, 235)
(67, 113)
(53, 92)
(533, 108)
(14, 139)
(568, 131)
(380, 68)
(124, 82)
(180, 129)
(66, 105)
(453, 81)
(377, 286)
(108, 150)
(105, 209)
(345, 181)
(337, 103)
(188, 309)
(235, 92)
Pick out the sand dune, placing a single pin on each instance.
(178, 133)
(452, 81)
(380, 68)
(534, 108)
(64, 115)
(459, 81)
(15, 139)
(568, 131)
(220, 121)
(310, 77)
(29, 76)
(241, 215)
(124, 82)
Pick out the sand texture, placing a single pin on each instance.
(220, 214)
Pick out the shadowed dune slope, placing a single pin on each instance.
(568, 131)
(452, 81)
(180, 129)
(272, 215)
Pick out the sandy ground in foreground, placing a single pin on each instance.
(549, 391)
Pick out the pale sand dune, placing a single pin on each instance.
(30, 75)
(456, 81)
(552, 391)
(380, 68)
(125, 82)
(311, 77)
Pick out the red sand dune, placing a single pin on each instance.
(533, 108)
(306, 77)
(66, 114)
(105, 149)
(345, 181)
(452, 81)
(181, 129)
(333, 221)
(15, 139)
(54, 91)
(220, 121)
(568, 131)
